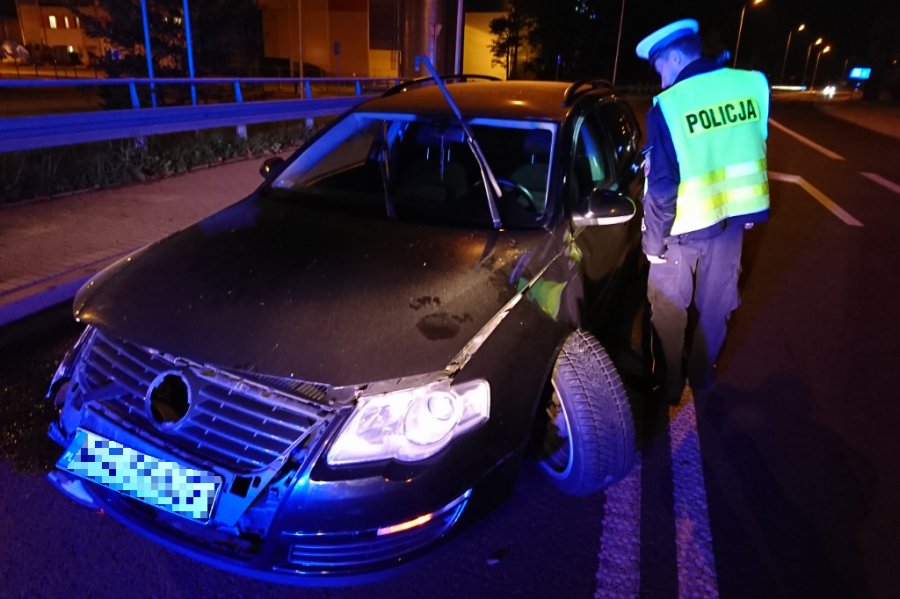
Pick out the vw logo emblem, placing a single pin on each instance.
(169, 398)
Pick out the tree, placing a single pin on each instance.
(573, 38)
(510, 31)
(569, 38)
(226, 36)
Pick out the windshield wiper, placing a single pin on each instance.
(490, 181)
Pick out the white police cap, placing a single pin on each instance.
(664, 36)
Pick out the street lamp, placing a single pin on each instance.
(824, 50)
(806, 62)
(788, 47)
(737, 46)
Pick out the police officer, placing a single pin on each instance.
(705, 162)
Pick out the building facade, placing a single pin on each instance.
(58, 28)
(373, 38)
(335, 38)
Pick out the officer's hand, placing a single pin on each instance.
(656, 259)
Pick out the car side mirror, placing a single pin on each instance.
(604, 207)
(271, 167)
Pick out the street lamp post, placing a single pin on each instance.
(788, 47)
(824, 50)
(148, 53)
(21, 27)
(806, 62)
(190, 49)
(618, 43)
(460, 18)
(737, 45)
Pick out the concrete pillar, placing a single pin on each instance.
(423, 33)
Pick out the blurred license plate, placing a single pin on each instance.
(167, 485)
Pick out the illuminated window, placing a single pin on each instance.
(178, 20)
(66, 21)
(71, 49)
(52, 20)
(77, 23)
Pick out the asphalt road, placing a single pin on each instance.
(799, 441)
(787, 487)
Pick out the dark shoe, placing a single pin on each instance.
(704, 385)
(702, 395)
(703, 382)
(670, 395)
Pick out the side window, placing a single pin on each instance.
(589, 167)
(619, 122)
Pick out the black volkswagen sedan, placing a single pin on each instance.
(323, 380)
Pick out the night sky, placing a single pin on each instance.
(7, 8)
(845, 22)
(847, 25)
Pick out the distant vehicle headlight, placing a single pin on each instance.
(411, 424)
(829, 91)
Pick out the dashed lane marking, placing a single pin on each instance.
(693, 534)
(820, 197)
(818, 148)
(882, 181)
(619, 568)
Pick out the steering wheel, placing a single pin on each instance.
(524, 192)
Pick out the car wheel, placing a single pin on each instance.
(589, 442)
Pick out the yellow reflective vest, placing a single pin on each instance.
(718, 122)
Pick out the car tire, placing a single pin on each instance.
(589, 440)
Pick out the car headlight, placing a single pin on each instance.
(411, 424)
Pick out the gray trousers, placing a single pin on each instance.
(705, 271)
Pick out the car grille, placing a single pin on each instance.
(232, 422)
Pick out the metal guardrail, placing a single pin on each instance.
(305, 83)
(36, 132)
(31, 133)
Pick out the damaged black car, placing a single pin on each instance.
(320, 381)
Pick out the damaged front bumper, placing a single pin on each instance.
(229, 481)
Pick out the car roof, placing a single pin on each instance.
(526, 100)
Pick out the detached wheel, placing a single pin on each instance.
(589, 439)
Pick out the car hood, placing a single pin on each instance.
(289, 290)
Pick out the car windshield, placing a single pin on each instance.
(417, 168)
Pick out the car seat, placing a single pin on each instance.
(533, 174)
(433, 175)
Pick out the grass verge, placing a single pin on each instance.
(55, 171)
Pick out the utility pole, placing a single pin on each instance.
(457, 63)
(300, 38)
(190, 49)
(21, 27)
(618, 43)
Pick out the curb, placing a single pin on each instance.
(38, 295)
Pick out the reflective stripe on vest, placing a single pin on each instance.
(718, 125)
